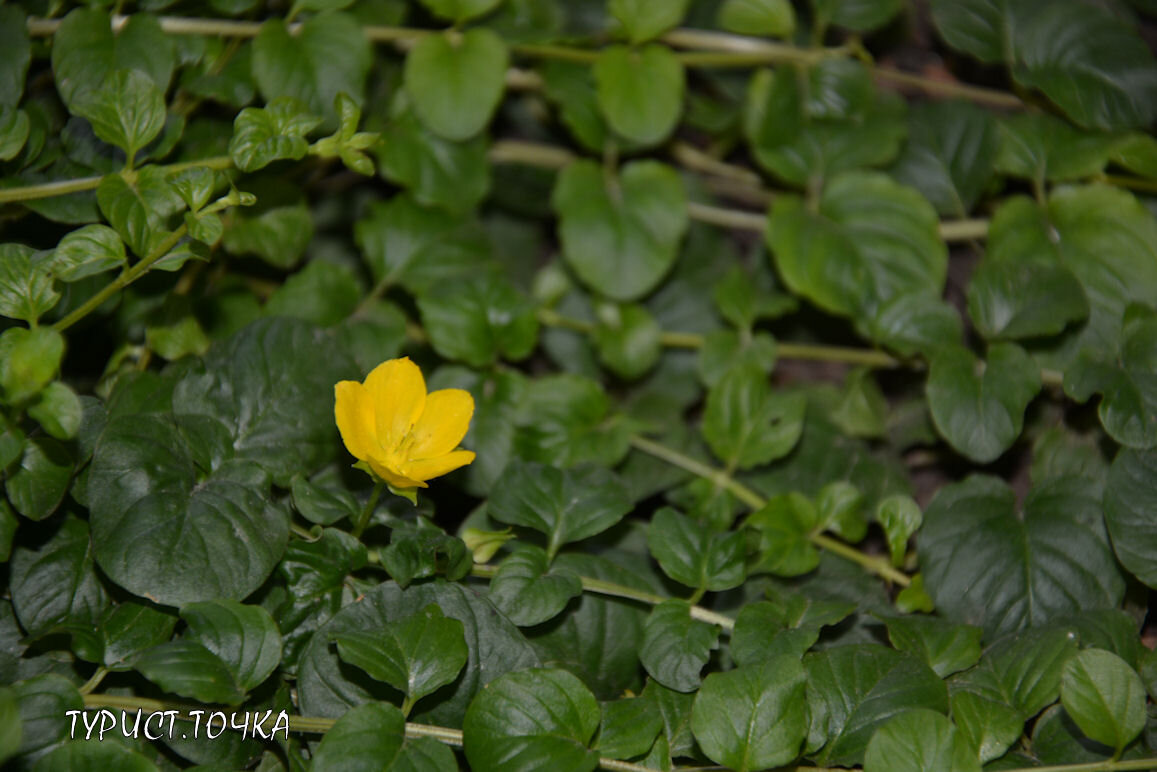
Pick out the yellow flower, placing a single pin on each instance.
(405, 435)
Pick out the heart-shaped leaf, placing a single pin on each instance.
(456, 83)
(640, 91)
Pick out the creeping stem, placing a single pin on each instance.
(368, 510)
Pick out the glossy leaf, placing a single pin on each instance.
(1130, 513)
(647, 19)
(529, 591)
(55, 587)
(675, 646)
(691, 554)
(640, 91)
(456, 84)
(479, 322)
(86, 251)
(1104, 696)
(262, 135)
(128, 110)
(919, 740)
(746, 424)
(244, 637)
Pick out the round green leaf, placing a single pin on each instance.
(919, 740)
(567, 505)
(128, 110)
(675, 646)
(1131, 512)
(416, 655)
(480, 321)
(244, 637)
(262, 135)
(640, 90)
(871, 240)
(530, 720)
(372, 737)
(979, 406)
(29, 360)
(1010, 300)
(188, 669)
(1104, 696)
(746, 424)
(628, 339)
(42, 701)
(1041, 148)
(753, 717)
(774, 18)
(528, 590)
(456, 82)
(620, 236)
(784, 525)
(36, 487)
(87, 756)
(986, 565)
(947, 648)
(327, 688)
(691, 554)
(164, 534)
(647, 19)
(58, 411)
(86, 251)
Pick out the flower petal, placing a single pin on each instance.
(436, 467)
(442, 425)
(394, 478)
(354, 414)
(398, 393)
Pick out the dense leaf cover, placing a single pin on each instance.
(814, 401)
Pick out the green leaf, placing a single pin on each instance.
(774, 18)
(1128, 407)
(640, 90)
(1104, 696)
(988, 726)
(784, 525)
(746, 424)
(1089, 61)
(417, 247)
(139, 210)
(1131, 512)
(1010, 299)
(417, 655)
(950, 154)
(789, 625)
(324, 293)
(567, 420)
(691, 554)
(55, 586)
(329, 55)
(459, 11)
(36, 487)
(128, 110)
(916, 323)
(323, 499)
(919, 740)
(567, 505)
(724, 351)
(577, 640)
(529, 591)
(262, 135)
(124, 631)
(947, 648)
(85, 756)
(855, 689)
(900, 517)
(1043, 148)
(26, 290)
(979, 406)
(857, 15)
(30, 360)
(326, 688)
(245, 638)
(628, 341)
(647, 19)
(675, 646)
(628, 729)
(372, 737)
(480, 321)
(862, 410)
(87, 251)
(620, 236)
(86, 53)
(456, 81)
(752, 717)
(15, 128)
(1101, 235)
(12, 732)
(743, 299)
(279, 235)
(188, 669)
(438, 172)
(532, 719)
(870, 241)
(42, 701)
(14, 68)
(986, 565)
(174, 332)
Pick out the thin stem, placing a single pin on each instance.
(878, 566)
(94, 682)
(947, 88)
(368, 510)
(81, 184)
(599, 587)
(963, 230)
(126, 277)
(727, 218)
(1132, 765)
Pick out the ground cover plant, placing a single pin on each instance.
(808, 355)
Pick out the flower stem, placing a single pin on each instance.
(126, 277)
(600, 587)
(879, 566)
(368, 510)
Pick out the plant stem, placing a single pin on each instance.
(126, 277)
(94, 682)
(368, 510)
(599, 587)
(81, 184)
(879, 566)
(1132, 765)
